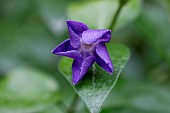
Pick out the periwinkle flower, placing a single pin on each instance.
(85, 47)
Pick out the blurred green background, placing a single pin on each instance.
(29, 78)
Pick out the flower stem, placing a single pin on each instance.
(73, 105)
(120, 7)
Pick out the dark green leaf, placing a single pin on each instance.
(99, 14)
(153, 26)
(94, 88)
(134, 96)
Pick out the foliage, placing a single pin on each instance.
(29, 77)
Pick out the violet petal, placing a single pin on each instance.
(80, 67)
(91, 36)
(103, 58)
(64, 49)
(75, 30)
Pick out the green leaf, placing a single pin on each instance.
(52, 109)
(153, 25)
(27, 90)
(134, 96)
(99, 14)
(94, 88)
(52, 13)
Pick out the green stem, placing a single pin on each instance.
(120, 7)
(73, 105)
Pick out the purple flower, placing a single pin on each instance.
(85, 47)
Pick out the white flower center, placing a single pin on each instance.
(86, 49)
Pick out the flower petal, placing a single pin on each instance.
(91, 36)
(80, 67)
(103, 58)
(77, 27)
(64, 49)
(75, 30)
